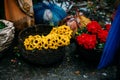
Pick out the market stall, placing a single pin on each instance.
(54, 40)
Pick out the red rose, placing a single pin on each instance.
(107, 26)
(102, 35)
(81, 38)
(87, 41)
(90, 42)
(93, 27)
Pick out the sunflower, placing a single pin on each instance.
(44, 43)
(59, 36)
(30, 36)
(39, 47)
(64, 39)
(54, 30)
(60, 43)
(28, 43)
(53, 46)
(64, 30)
(29, 47)
(52, 41)
(69, 34)
(35, 43)
(37, 36)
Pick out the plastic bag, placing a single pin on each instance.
(47, 12)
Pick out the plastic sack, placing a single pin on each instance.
(6, 35)
(47, 12)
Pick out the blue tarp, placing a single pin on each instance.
(57, 12)
(112, 42)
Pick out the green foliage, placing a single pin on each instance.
(2, 25)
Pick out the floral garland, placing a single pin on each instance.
(59, 36)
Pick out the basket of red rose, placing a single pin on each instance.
(91, 40)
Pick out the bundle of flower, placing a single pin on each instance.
(59, 36)
(93, 36)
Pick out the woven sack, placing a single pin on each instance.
(6, 35)
(20, 12)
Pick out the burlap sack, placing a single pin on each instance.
(6, 35)
(20, 12)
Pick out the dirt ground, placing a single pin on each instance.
(13, 67)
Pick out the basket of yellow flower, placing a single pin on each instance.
(43, 44)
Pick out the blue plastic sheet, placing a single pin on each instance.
(57, 12)
(112, 42)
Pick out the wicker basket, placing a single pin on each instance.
(40, 57)
(89, 56)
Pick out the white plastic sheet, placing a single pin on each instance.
(6, 35)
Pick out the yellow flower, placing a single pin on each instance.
(35, 43)
(29, 47)
(65, 40)
(59, 36)
(52, 41)
(30, 37)
(60, 43)
(26, 41)
(53, 46)
(37, 36)
(44, 43)
(54, 30)
(39, 47)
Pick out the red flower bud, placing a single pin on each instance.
(102, 35)
(107, 26)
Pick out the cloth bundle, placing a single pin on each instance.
(20, 12)
(6, 35)
(113, 42)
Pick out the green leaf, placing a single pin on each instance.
(100, 46)
(2, 25)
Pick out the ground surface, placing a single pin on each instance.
(13, 67)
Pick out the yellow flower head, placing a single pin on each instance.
(59, 36)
